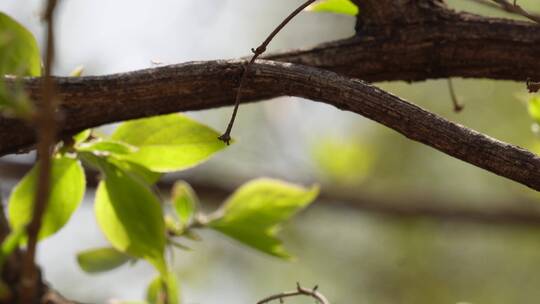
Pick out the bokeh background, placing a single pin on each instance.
(398, 222)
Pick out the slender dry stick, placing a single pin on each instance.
(226, 137)
(509, 7)
(458, 107)
(300, 291)
(46, 129)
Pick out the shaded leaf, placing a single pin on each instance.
(67, 191)
(253, 214)
(168, 143)
(163, 290)
(130, 216)
(184, 200)
(345, 7)
(101, 259)
(11, 243)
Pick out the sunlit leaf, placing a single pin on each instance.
(346, 7)
(163, 290)
(534, 108)
(67, 190)
(108, 146)
(101, 259)
(184, 200)
(77, 72)
(253, 214)
(19, 52)
(168, 143)
(82, 136)
(130, 216)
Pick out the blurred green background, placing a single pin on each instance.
(398, 222)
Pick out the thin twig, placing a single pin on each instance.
(226, 137)
(300, 291)
(46, 128)
(458, 107)
(509, 7)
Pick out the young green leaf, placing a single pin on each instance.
(185, 201)
(130, 216)
(10, 243)
(67, 190)
(136, 171)
(168, 143)
(101, 259)
(345, 7)
(253, 214)
(108, 147)
(163, 290)
(77, 71)
(82, 136)
(19, 52)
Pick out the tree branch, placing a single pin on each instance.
(458, 45)
(93, 101)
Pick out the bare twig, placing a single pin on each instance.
(300, 291)
(458, 107)
(46, 128)
(509, 7)
(226, 137)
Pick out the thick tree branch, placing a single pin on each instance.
(455, 45)
(381, 13)
(93, 101)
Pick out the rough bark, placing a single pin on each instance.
(455, 45)
(93, 101)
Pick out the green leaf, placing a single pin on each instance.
(101, 259)
(136, 171)
(82, 136)
(534, 108)
(11, 243)
(253, 214)
(67, 191)
(130, 216)
(19, 52)
(108, 147)
(168, 143)
(77, 72)
(345, 7)
(184, 200)
(163, 288)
